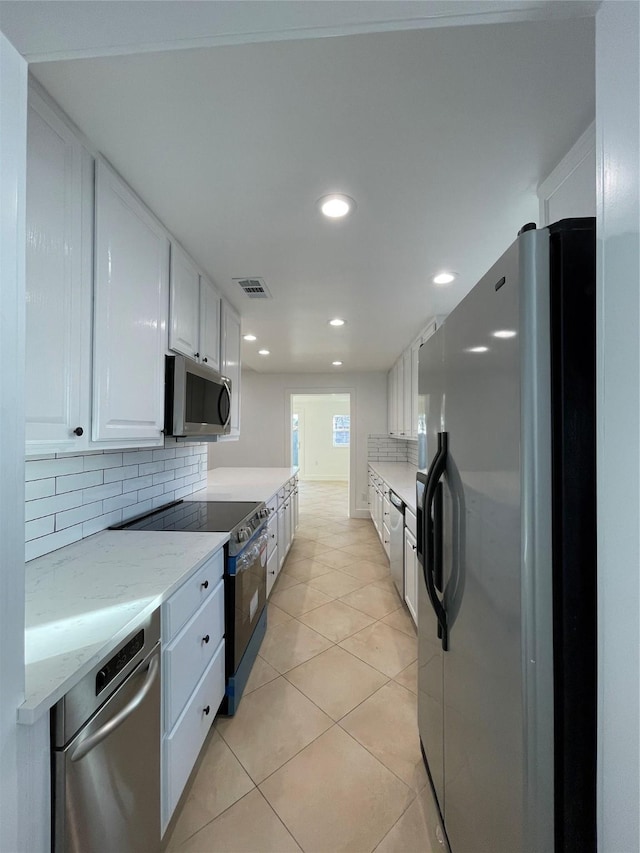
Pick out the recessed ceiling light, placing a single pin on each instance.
(336, 322)
(336, 205)
(478, 349)
(504, 333)
(336, 363)
(250, 338)
(263, 352)
(444, 278)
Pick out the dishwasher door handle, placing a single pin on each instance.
(104, 731)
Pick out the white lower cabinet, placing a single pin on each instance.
(273, 569)
(193, 680)
(411, 574)
(281, 529)
(182, 745)
(282, 550)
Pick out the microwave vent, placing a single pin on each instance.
(255, 288)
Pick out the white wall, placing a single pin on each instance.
(266, 418)
(570, 190)
(318, 458)
(618, 283)
(13, 141)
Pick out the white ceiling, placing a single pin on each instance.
(440, 134)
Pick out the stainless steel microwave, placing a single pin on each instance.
(197, 400)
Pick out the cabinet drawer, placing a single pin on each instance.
(410, 521)
(181, 747)
(186, 658)
(272, 533)
(193, 592)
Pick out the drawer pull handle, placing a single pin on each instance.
(207, 709)
(206, 638)
(205, 585)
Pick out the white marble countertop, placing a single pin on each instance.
(401, 477)
(243, 484)
(82, 600)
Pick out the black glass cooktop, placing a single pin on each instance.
(200, 516)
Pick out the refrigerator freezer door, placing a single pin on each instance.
(430, 698)
(483, 722)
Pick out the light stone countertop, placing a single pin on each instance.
(243, 484)
(82, 600)
(401, 478)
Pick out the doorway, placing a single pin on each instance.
(321, 443)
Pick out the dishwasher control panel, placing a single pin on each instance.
(112, 667)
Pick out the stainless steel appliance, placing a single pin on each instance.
(197, 400)
(507, 543)
(396, 541)
(106, 752)
(245, 575)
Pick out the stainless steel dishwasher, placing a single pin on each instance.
(396, 543)
(106, 752)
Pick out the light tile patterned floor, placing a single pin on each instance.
(323, 752)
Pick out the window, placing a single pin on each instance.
(341, 428)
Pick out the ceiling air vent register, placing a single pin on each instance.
(255, 288)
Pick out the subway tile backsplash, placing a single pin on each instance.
(382, 448)
(70, 497)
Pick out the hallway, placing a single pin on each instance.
(323, 753)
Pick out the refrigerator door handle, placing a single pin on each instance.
(433, 535)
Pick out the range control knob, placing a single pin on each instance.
(264, 513)
(243, 534)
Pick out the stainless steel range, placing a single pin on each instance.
(245, 575)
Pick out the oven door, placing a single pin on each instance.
(247, 595)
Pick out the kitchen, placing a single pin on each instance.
(378, 425)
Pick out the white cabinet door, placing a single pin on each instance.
(58, 284)
(184, 304)
(288, 523)
(209, 347)
(296, 510)
(272, 570)
(230, 354)
(407, 390)
(415, 360)
(399, 398)
(392, 415)
(282, 542)
(411, 574)
(130, 315)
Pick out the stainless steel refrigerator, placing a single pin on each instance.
(507, 545)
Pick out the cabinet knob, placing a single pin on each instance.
(205, 359)
(413, 547)
(78, 431)
(207, 710)
(273, 572)
(205, 585)
(206, 638)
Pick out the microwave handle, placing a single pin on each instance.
(225, 383)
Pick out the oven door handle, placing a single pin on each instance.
(111, 725)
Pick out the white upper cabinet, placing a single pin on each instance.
(58, 284)
(130, 315)
(392, 415)
(209, 324)
(184, 304)
(402, 388)
(194, 311)
(230, 365)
